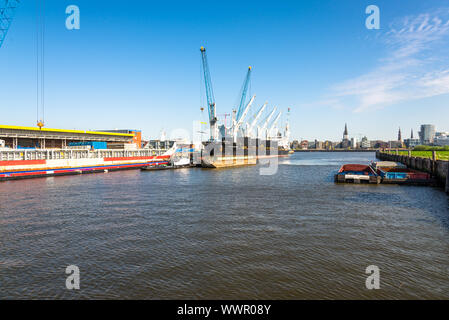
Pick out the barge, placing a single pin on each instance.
(397, 173)
(386, 172)
(357, 173)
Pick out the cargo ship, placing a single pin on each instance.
(245, 141)
(27, 152)
(224, 154)
(69, 162)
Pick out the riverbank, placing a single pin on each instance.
(335, 150)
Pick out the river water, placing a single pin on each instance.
(223, 234)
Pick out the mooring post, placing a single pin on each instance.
(447, 178)
(434, 161)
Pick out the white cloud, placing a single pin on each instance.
(415, 66)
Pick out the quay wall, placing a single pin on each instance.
(437, 168)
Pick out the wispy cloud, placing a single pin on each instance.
(416, 65)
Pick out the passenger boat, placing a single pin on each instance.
(357, 173)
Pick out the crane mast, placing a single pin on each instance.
(210, 97)
(7, 9)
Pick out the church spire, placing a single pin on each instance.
(345, 133)
(399, 135)
(411, 134)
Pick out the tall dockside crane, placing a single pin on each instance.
(210, 97)
(7, 9)
(242, 118)
(243, 93)
(273, 126)
(263, 129)
(251, 126)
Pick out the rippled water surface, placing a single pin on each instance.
(229, 233)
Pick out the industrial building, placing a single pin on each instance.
(17, 137)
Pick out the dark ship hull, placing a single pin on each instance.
(242, 153)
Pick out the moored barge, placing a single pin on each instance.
(357, 173)
(397, 173)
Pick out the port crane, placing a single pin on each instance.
(250, 126)
(273, 126)
(7, 9)
(210, 97)
(239, 123)
(286, 138)
(243, 93)
(265, 123)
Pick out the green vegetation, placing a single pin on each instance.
(441, 155)
(430, 148)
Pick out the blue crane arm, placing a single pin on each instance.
(244, 92)
(7, 8)
(208, 83)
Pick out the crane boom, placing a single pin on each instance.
(242, 118)
(275, 122)
(262, 129)
(245, 112)
(7, 9)
(244, 91)
(256, 118)
(209, 96)
(265, 124)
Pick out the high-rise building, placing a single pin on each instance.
(427, 133)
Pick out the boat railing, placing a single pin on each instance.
(57, 154)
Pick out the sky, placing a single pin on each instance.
(138, 66)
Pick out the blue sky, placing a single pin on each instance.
(137, 65)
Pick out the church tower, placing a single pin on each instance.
(345, 133)
(399, 135)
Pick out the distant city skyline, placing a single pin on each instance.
(138, 67)
(399, 135)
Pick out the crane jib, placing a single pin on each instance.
(244, 92)
(7, 9)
